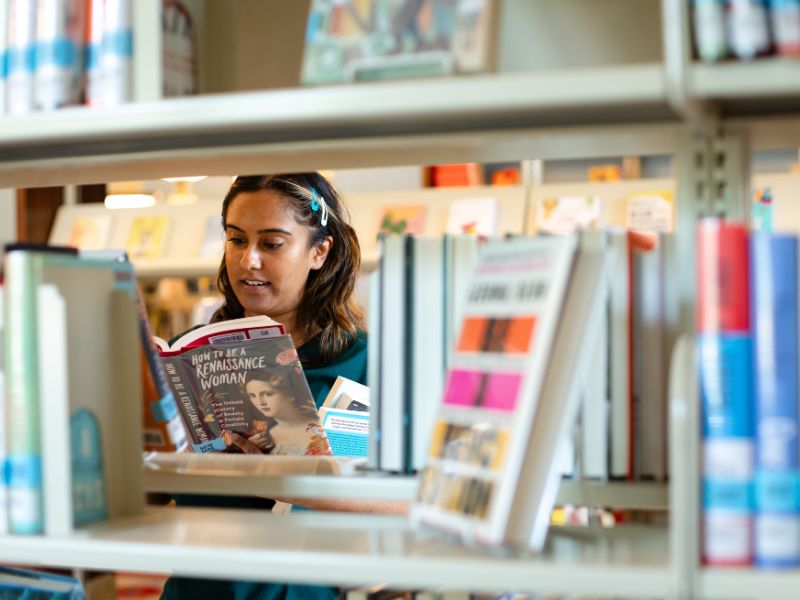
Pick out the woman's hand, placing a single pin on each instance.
(232, 438)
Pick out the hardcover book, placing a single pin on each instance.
(242, 389)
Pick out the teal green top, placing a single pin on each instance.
(352, 364)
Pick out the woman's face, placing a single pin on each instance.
(267, 255)
(269, 400)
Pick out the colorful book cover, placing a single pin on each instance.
(774, 302)
(492, 387)
(90, 232)
(726, 392)
(247, 397)
(361, 40)
(565, 214)
(650, 211)
(147, 237)
(402, 218)
(473, 216)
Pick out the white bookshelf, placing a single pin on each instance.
(550, 113)
(344, 549)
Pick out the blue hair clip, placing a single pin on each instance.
(318, 201)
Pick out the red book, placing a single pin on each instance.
(723, 276)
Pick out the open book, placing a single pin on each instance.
(240, 387)
(235, 330)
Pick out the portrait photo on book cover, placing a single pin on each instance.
(247, 397)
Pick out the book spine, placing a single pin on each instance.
(117, 53)
(785, 22)
(3, 428)
(164, 428)
(748, 28)
(20, 56)
(725, 369)
(3, 54)
(775, 304)
(22, 372)
(93, 50)
(59, 53)
(708, 24)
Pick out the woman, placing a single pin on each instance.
(289, 423)
(290, 254)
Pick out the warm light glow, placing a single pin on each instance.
(129, 200)
(190, 179)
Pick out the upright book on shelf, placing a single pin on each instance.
(494, 388)
(724, 344)
(75, 429)
(774, 294)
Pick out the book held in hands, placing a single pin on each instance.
(240, 388)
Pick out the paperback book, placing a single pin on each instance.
(493, 387)
(240, 388)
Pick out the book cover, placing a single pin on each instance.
(363, 40)
(345, 417)
(27, 583)
(249, 396)
(90, 232)
(147, 237)
(650, 211)
(493, 386)
(402, 218)
(473, 216)
(565, 214)
(774, 304)
(724, 343)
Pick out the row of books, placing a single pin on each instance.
(745, 29)
(416, 309)
(747, 341)
(87, 388)
(59, 53)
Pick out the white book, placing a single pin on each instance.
(391, 393)
(58, 73)
(494, 388)
(91, 451)
(650, 376)
(94, 48)
(3, 53)
(21, 34)
(116, 55)
(427, 347)
(56, 447)
(3, 488)
(374, 368)
(619, 356)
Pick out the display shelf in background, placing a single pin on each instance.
(353, 549)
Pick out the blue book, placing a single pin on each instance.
(24, 584)
(725, 367)
(774, 305)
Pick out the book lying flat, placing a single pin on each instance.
(240, 387)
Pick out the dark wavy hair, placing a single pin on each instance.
(327, 303)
